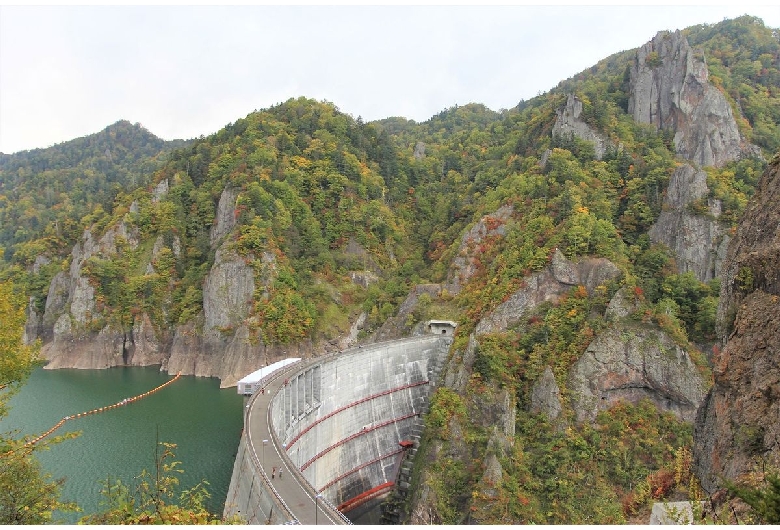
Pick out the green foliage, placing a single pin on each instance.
(695, 304)
(16, 359)
(567, 484)
(451, 484)
(27, 495)
(653, 60)
(745, 279)
(497, 359)
(156, 498)
(445, 404)
(733, 185)
(598, 474)
(588, 474)
(765, 500)
(636, 440)
(284, 316)
(45, 192)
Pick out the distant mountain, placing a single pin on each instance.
(53, 188)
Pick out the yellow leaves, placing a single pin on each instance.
(16, 359)
(300, 162)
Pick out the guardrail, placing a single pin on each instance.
(251, 446)
(328, 509)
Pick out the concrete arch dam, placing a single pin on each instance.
(327, 436)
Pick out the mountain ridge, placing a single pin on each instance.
(299, 230)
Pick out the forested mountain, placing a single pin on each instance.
(576, 239)
(49, 191)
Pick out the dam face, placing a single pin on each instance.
(342, 425)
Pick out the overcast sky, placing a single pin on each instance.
(184, 71)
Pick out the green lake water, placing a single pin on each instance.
(204, 421)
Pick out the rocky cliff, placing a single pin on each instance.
(547, 286)
(569, 123)
(698, 240)
(630, 363)
(74, 337)
(737, 427)
(215, 343)
(670, 90)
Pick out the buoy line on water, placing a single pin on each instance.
(60, 423)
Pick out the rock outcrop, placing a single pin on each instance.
(630, 363)
(160, 191)
(546, 397)
(738, 425)
(698, 240)
(225, 219)
(70, 307)
(547, 286)
(221, 345)
(217, 343)
(670, 89)
(569, 123)
(464, 264)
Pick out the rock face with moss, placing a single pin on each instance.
(217, 342)
(698, 240)
(630, 363)
(491, 411)
(737, 426)
(570, 123)
(547, 286)
(670, 90)
(462, 268)
(223, 348)
(546, 397)
(68, 323)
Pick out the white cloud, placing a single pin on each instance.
(185, 71)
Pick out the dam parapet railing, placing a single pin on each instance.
(259, 508)
(387, 385)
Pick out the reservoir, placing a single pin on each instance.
(204, 421)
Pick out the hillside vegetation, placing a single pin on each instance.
(321, 196)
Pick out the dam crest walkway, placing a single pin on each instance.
(326, 434)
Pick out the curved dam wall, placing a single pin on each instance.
(341, 420)
(338, 422)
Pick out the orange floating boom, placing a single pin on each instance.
(93, 411)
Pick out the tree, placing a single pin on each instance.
(27, 496)
(765, 501)
(156, 499)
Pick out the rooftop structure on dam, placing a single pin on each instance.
(328, 436)
(251, 383)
